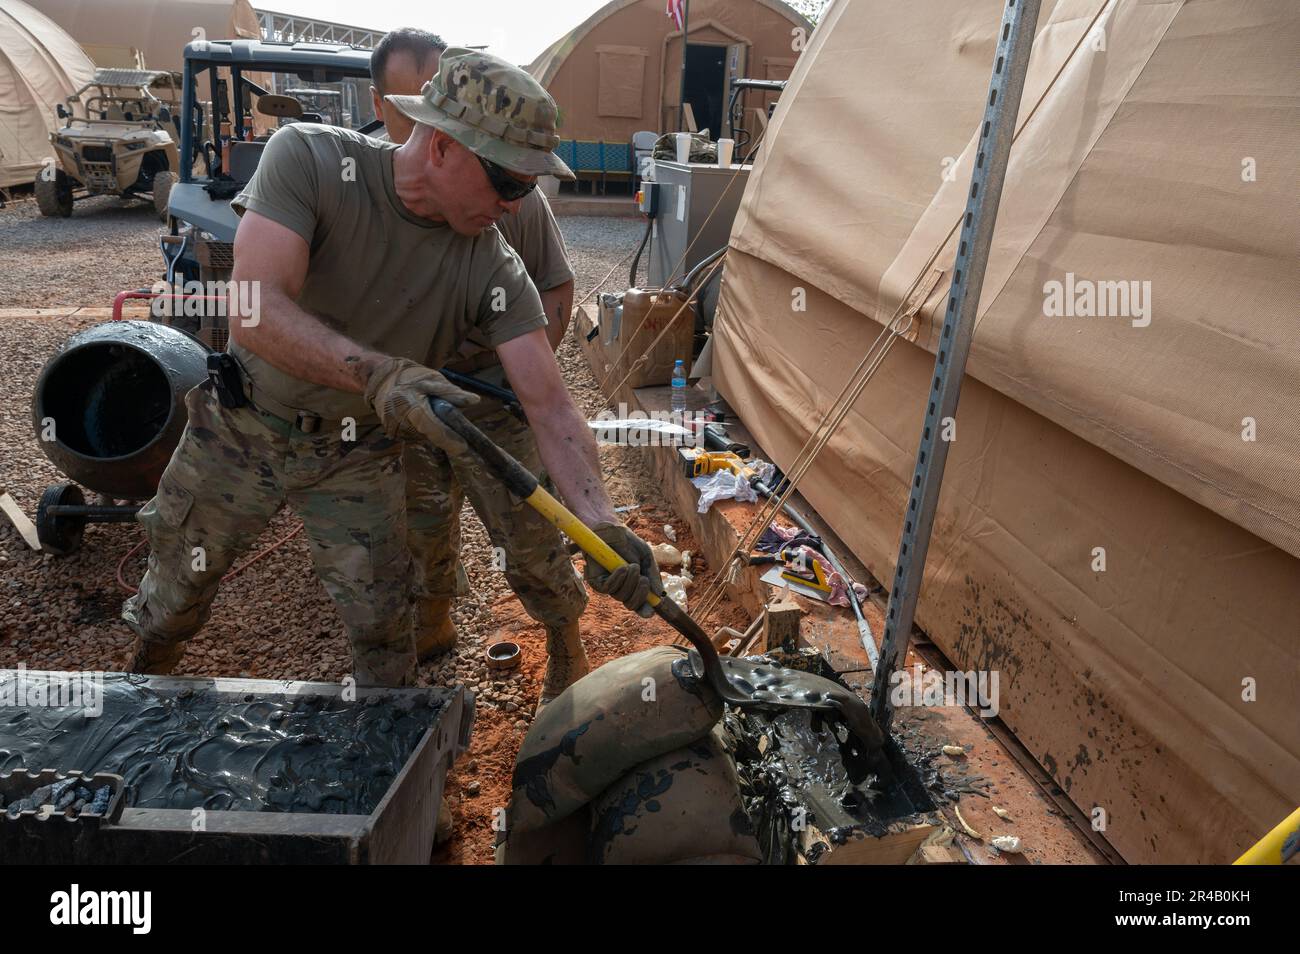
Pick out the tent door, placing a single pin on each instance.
(706, 80)
(735, 70)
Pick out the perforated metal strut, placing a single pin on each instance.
(1010, 64)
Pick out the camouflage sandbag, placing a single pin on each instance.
(682, 807)
(626, 712)
(560, 843)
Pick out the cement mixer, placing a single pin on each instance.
(108, 411)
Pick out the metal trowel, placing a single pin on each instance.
(741, 684)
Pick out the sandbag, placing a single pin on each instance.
(560, 843)
(624, 713)
(682, 807)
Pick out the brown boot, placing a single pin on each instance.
(434, 631)
(566, 662)
(154, 659)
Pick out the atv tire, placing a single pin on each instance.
(162, 190)
(54, 196)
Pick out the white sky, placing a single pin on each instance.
(514, 29)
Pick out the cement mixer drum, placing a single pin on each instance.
(109, 407)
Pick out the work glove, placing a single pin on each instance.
(633, 582)
(399, 390)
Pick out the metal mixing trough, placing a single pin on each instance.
(250, 771)
(108, 411)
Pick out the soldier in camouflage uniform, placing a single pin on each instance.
(370, 258)
(526, 547)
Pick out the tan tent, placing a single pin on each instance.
(619, 71)
(40, 67)
(1119, 529)
(158, 29)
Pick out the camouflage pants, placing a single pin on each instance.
(528, 548)
(229, 475)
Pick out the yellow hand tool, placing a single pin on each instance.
(812, 692)
(800, 568)
(699, 463)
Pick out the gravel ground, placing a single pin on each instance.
(272, 620)
(106, 246)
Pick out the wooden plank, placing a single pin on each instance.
(24, 526)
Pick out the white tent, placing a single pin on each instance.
(158, 29)
(40, 66)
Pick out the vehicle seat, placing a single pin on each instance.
(244, 157)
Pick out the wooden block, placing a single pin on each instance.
(781, 625)
(937, 855)
(894, 847)
(20, 520)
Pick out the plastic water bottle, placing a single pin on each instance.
(679, 391)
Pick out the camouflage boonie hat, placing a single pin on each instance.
(493, 108)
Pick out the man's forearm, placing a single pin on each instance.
(300, 344)
(569, 453)
(558, 304)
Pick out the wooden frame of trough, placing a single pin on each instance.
(400, 830)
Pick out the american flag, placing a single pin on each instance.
(677, 10)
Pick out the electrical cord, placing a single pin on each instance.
(631, 275)
(127, 587)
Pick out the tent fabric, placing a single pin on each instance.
(1112, 180)
(40, 67)
(640, 34)
(160, 29)
(1075, 436)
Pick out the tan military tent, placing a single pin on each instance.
(158, 29)
(1119, 528)
(40, 66)
(619, 70)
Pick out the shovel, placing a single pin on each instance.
(742, 683)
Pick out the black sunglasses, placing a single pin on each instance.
(507, 186)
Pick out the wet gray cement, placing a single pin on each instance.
(813, 769)
(226, 752)
(763, 684)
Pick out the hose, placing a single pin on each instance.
(688, 281)
(631, 275)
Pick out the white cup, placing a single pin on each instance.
(683, 147)
(725, 147)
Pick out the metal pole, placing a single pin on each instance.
(681, 93)
(1011, 62)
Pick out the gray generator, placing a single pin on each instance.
(684, 196)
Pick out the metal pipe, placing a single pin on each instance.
(681, 93)
(1011, 64)
(96, 513)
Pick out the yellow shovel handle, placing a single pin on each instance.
(578, 532)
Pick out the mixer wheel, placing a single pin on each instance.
(60, 534)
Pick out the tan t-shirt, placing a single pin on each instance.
(535, 237)
(387, 279)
